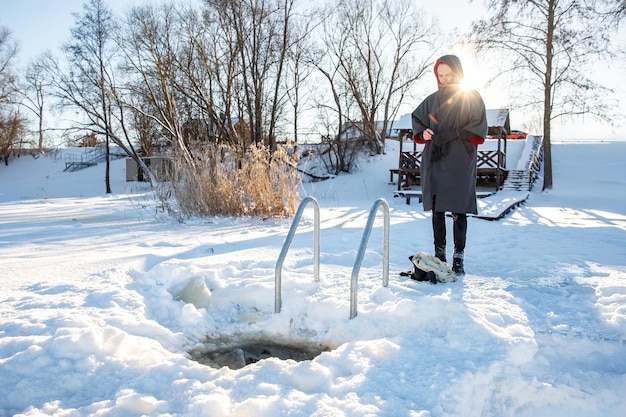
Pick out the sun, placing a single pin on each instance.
(474, 77)
(468, 84)
(474, 74)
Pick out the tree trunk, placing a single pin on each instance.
(108, 167)
(41, 132)
(547, 101)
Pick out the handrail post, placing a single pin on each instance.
(287, 244)
(381, 202)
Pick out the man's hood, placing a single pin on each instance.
(453, 62)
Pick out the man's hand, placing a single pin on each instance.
(428, 134)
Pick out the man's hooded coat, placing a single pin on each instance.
(459, 120)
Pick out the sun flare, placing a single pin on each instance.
(474, 75)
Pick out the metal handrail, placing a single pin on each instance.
(287, 243)
(359, 258)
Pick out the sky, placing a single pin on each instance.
(40, 25)
(106, 304)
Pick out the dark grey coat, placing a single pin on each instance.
(449, 184)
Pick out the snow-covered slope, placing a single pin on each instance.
(102, 298)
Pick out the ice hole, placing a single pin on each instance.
(250, 349)
(236, 356)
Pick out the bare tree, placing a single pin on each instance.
(221, 74)
(86, 81)
(372, 53)
(545, 45)
(34, 96)
(210, 83)
(332, 114)
(8, 51)
(12, 130)
(11, 122)
(152, 48)
(90, 54)
(259, 32)
(298, 69)
(614, 9)
(620, 9)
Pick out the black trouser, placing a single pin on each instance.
(459, 229)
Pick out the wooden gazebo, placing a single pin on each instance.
(491, 163)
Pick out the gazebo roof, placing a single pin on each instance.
(498, 119)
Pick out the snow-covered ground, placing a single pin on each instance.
(102, 297)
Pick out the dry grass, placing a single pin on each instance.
(260, 184)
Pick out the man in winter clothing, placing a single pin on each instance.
(452, 122)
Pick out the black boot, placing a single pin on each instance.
(457, 265)
(440, 253)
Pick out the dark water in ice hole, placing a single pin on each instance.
(238, 356)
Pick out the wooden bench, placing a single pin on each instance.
(408, 194)
(406, 177)
(392, 172)
(490, 166)
(408, 170)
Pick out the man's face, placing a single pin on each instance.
(445, 75)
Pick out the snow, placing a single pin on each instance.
(103, 297)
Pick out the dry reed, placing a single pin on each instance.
(258, 184)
